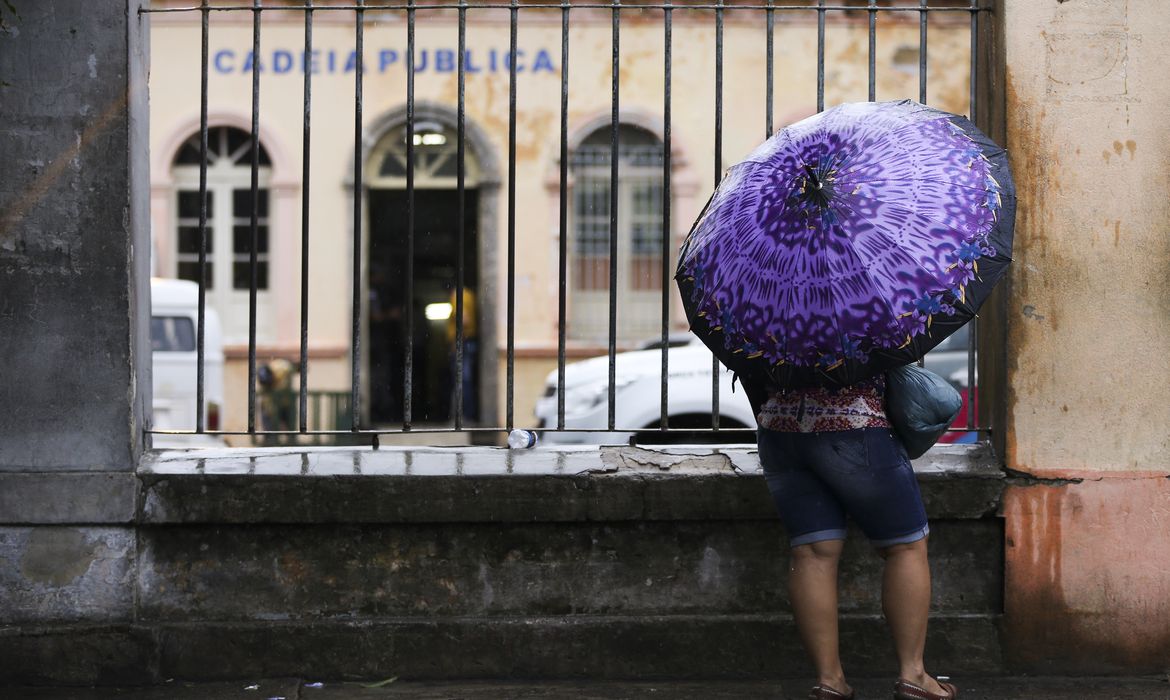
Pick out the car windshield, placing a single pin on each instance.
(172, 334)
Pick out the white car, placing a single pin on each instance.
(174, 309)
(637, 396)
(637, 399)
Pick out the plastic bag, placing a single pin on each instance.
(921, 406)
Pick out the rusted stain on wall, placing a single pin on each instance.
(1087, 576)
(1084, 324)
(1036, 166)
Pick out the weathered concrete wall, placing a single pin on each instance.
(1088, 343)
(74, 333)
(478, 562)
(74, 242)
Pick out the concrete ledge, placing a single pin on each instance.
(279, 485)
(483, 484)
(590, 647)
(67, 498)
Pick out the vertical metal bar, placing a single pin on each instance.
(202, 272)
(974, 57)
(460, 184)
(305, 173)
(563, 243)
(668, 12)
(512, 19)
(820, 55)
(613, 212)
(922, 51)
(254, 223)
(770, 88)
(408, 341)
(356, 333)
(973, 334)
(718, 177)
(872, 50)
(972, 386)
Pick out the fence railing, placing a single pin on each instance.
(309, 415)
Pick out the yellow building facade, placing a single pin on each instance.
(382, 225)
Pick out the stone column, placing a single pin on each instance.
(74, 313)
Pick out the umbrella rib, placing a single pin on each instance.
(821, 132)
(900, 146)
(966, 307)
(897, 127)
(919, 179)
(915, 212)
(833, 303)
(885, 302)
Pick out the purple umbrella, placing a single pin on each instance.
(849, 243)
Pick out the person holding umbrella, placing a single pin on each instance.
(847, 245)
(828, 453)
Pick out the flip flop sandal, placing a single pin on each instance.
(824, 692)
(904, 690)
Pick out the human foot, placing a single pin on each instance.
(924, 687)
(822, 691)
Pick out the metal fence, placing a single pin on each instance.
(767, 10)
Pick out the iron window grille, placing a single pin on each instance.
(248, 239)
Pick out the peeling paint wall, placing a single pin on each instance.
(1089, 318)
(1088, 582)
(1088, 336)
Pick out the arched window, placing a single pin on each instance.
(639, 235)
(436, 159)
(229, 223)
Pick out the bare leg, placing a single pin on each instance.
(812, 588)
(906, 604)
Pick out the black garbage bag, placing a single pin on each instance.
(921, 406)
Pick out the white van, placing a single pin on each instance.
(174, 317)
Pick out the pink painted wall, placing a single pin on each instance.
(1088, 576)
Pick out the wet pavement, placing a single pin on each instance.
(298, 689)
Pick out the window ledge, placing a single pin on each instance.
(488, 484)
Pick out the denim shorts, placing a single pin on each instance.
(816, 479)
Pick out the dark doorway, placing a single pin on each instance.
(435, 268)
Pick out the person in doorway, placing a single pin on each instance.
(277, 399)
(466, 374)
(828, 454)
(386, 345)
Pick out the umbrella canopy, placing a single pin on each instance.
(849, 243)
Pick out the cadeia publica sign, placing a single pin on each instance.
(332, 61)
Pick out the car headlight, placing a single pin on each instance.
(587, 397)
(583, 399)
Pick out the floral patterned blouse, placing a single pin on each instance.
(860, 405)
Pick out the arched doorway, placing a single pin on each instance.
(436, 245)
